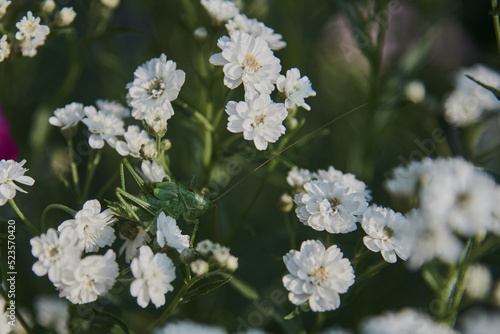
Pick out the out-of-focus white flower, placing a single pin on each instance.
(153, 274)
(221, 254)
(467, 103)
(54, 252)
(336, 330)
(317, 275)
(31, 33)
(348, 179)
(5, 328)
(257, 29)
(480, 322)
(495, 295)
(297, 177)
(388, 233)
(157, 118)
(10, 172)
(48, 6)
(112, 107)
(152, 171)
(111, 4)
(248, 60)
(295, 88)
(479, 282)
(156, 83)
(103, 127)
(199, 267)
(90, 278)
(220, 10)
(205, 247)
(3, 7)
(4, 48)
(187, 327)
(134, 139)
(131, 246)
(329, 206)
(231, 263)
(258, 117)
(169, 234)
(415, 91)
(68, 116)
(405, 321)
(65, 16)
(52, 312)
(92, 227)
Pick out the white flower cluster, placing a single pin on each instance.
(247, 58)
(10, 172)
(455, 199)
(213, 254)
(469, 101)
(31, 33)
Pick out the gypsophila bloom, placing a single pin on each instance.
(258, 117)
(156, 119)
(329, 206)
(54, 252)
(90, 278)
(220, 10)
(388, 233)
(199, 267)
(31, 33)
(480, 322)
(295, 88)
(5, 328)
(257, 29)
(187, 327)
(3, 7)
(52, 313)
(405, 321)
(113, 108)
(68, 116)
(93, 227)
(317, 275)
(111, 4)
(48, 6)
(65, 16)
(156, 83)
(4, 48)
(479, 281)
(248, 60)
(153, 172)
(169, 234)
(205, 247)
(221, 254)
(131, 246)
(415, 91)
(348, 179)
(467, 103)
(153, 274)
(134, 139)
(10, 172)
(103, 127)
(148, 151)
(296, 178)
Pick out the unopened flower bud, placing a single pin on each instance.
(200, 34)
(232, 263)
(415, 91)
(166, 144)
(111, 4)
(199, 267)
(291, 123)
(285, 203)
(148, 151)
(479, 282)
(48, 6)
(188, 255)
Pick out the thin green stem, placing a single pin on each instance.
(54, 207)
(208, 141)
(30, 226)
(91, 168)
(320, 319)
(74, 169)
(496, 22)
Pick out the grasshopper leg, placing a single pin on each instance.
(134, 174)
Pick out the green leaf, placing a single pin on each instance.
(203, 287)
(492, 89)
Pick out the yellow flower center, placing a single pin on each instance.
(319, 274)
(250, 63)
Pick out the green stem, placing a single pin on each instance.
(74, 169)
(291, 230)
(208, 141)
(320, 318)
(30, 226)
(53, 207)
(496, 22)
(91, 168)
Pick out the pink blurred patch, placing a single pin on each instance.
(8, 148)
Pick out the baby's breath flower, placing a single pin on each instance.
(317, 275)
(220, 10)
(415, 91)
(231, 263)
(348, 179)
(199, 267)
(153, 172)
(3, 7)
(248, 60)
(90, 278)
(31, 33)
(205, 247)
(258, 117)
(156, 119)
(257, 29)
(103, 127)
(297, 177)
(4, 48)
(135, 138)
(113, 108)
(221, 254)
(10, 172)
(153, 274)
(148, 151)
(169, 234)
(286, 202)
(479, 281)
(68, 116)
(295, 88)
(48, 6)
(52, 313)
(65, 16)
(480, 321)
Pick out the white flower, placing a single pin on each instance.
(103, 127)
(54, 252)
(388, 233)
(31, 33)
(93, 227)
(231, 263)
(248, 60)
(296, 177)
(205, 247)
(156, 83)
(257, 29)
(156, 118)
(48, 6)
(153, 172)
(317, 275)
(65, 16)
(220, 10)
(415, 91)
(405, 179)
(479, 281)
(4, 48)
(68, 116)
(467, 103)
(221, 254)
(3, 7)
(153, 274)
(134, 139)
(480, 322)
(113, 107)
(5, 328)
(295, 88)
(131, 246)
(52, 313)
(258, 117)
(111, 4)
(91, 277)
(329, 206)
(10, 172)
(169, 234)
(148, 151)
(199, 267)
(187, 327)
(336, 330)
(405, 321)
(349, 180)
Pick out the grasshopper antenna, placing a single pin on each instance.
(289, 146)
